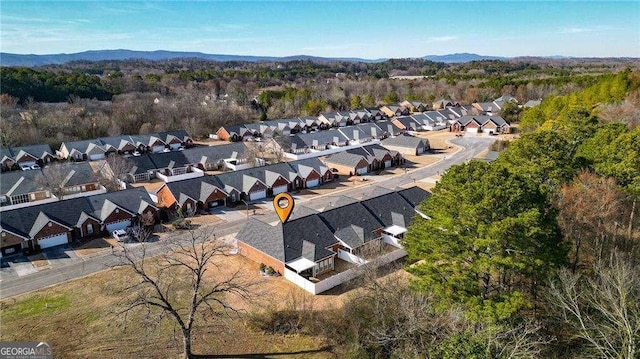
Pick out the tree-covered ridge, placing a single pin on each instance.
(549, 232)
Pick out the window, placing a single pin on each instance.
(21, 198)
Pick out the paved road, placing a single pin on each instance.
(11, 285)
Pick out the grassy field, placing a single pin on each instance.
(79, 318)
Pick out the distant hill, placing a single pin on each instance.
(8, 59)
(461, 57)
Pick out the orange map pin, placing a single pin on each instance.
(283, 203)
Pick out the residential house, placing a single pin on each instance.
(286, 171)
(233, 133)
(322, 140)
(176, 139)
(488, 108)
(444, 103)
(171, 166)
(85, 150)
(29, 188)
(372, 130)
(376, 114)
(309, 168)
(123, 145)
(388, 128)
(492, 125)
(142, 169)
(406, 145)
(415, 106)
(348, 164)
(25, 156)
(191, 195)
(355, 135)
(57, 223)
(394, 212)
(218, 157)
(406, 123)
(394, 111)
(148, 143)
(506, 98)
(414, 195)
(248, 184)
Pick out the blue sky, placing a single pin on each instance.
(333, 29)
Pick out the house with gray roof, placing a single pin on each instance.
(194, 194)
(407, 123)
(214, 157)
(85, 150)
(322, 140)
(407, 145)
(57, 223)
(348, 164)
(25, 156)
(491, 125)
(312, 248)
(372, 130)
(312, 171)
(52, 183)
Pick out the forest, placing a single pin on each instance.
(81, 100)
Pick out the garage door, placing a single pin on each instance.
(387, 164)
(361, 171)
(10, 250)
(118, 225)
(472, 130)
(488, 131)
(420, 150)
(313, 183)
(279, 189)
(53, 241)
(257, 195)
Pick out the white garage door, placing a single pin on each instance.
(420, 150)
(118, 225)
(361, 171)
(472, 130)
(257, 195)
(53, 241)
(313, 183)
(488, 130)
(95, 157)
(279, 189)
(387, 164)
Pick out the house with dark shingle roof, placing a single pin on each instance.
(318, 251)
(348, 164)
(407, 123)
(322, 140)
(214, 157)
(312, 171)
(233, 133)
(30, 188)
(84, 150)
(40, 154)
(57, 223)
(249, 184)
(190, 195)
(482, 124)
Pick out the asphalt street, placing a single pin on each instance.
(83, 266)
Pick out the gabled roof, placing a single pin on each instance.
(352, 224)
(214, 154)
(240, 130)
(390, 209)
(388, 127)
(408, 122)
(37, 151)
(141, 164)
(242, 180)
(174, 159)
(284, 170)
(84, 146)
(199, 188)
(19, 182)
(78, 173)
(166, 136)
(411, 142)
(321, 138)
(302, 166)
(414, 195)
(346, 159)
(355, 133)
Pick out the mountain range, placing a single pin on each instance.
(9, 59)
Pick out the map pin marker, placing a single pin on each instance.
(283, 203)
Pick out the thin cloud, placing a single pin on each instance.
(580, 30)
(442, 38)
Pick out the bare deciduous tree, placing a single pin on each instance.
(603, 310)
(54, 178)
(184, 283)
(115, 170)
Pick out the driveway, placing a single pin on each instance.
(17, 265)
(60, 255)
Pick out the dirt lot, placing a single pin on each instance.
(437, 140)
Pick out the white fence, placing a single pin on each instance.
(351, 258)
(342, 277)
(391, 240)
(196, 172)
(317, 153)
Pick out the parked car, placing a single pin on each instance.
(120, 235)
(25, 167)
(35, 167)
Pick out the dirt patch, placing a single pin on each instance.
(93, 246)
(204, 219)
(151, 186)
(39, 260)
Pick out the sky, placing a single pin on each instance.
(371, 30)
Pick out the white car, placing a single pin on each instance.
(35, 167)
(120, 235)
